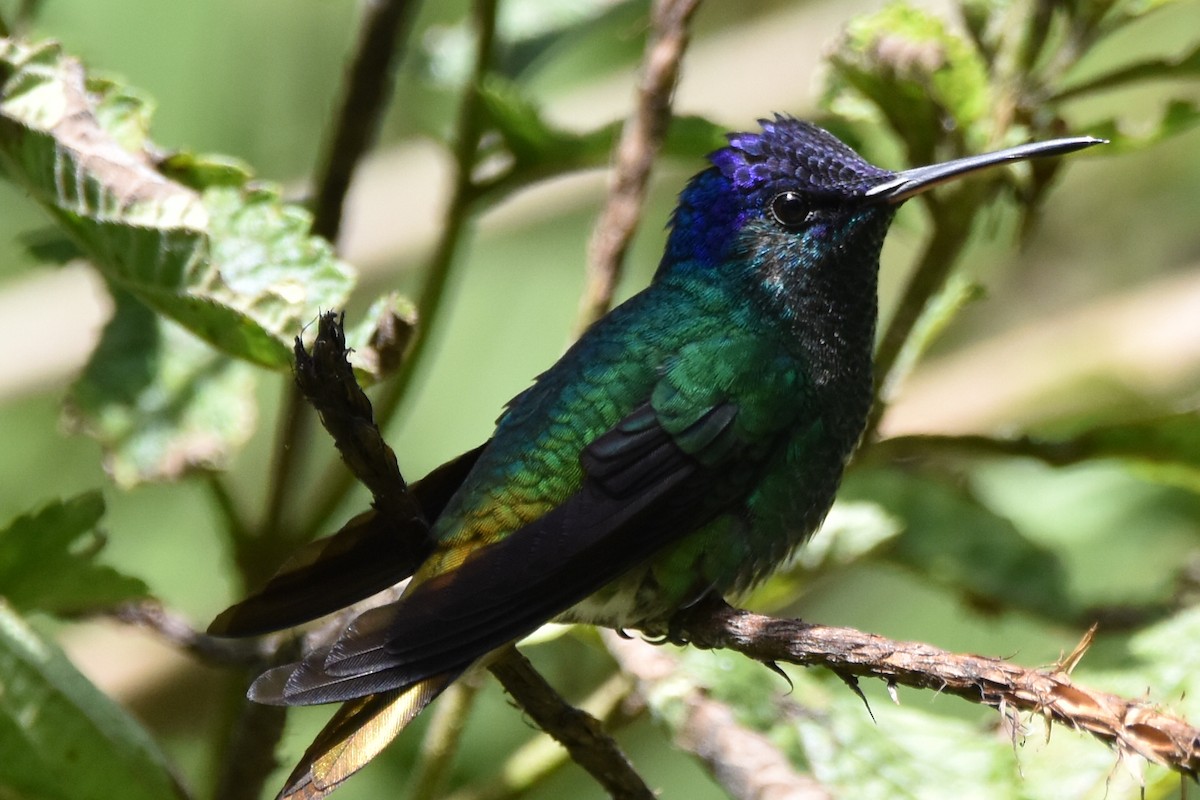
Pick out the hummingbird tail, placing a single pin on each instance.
(359, 730)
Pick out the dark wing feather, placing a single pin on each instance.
(640, 492)
(366, 556)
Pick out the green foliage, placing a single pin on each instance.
(211, 275)
(232, 264)
(63, 738)
(161, 402)
(47, 560)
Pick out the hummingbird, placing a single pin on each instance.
(683, 447)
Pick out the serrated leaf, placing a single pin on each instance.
(919, 77)
(161, 402)
(63, 739)
(50, 246)
(953, 539)
(236, 266)
(47, 560)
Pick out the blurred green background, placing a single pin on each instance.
(1098, 314)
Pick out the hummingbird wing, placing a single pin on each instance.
(643, 487)
(366, 556)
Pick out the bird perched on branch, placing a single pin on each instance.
(683, 447)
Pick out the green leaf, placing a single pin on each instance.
(224, 258)
(953, 539)
(1165, 449)
(1181, 67)
(539, 150)
(1178, 117)
(47, 560)
(161, 402)
(63, 738)
(916, 75)
(1118, 13)
(943, 308)
(529, 138)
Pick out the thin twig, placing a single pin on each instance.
(542, 756)
(454, 229)
(235, 524)
(442, 739)
(367, 90)
(1131, 726)
(743, 761)
(579, 732)
(244, 762)
(640, 141)
(365, 95)
(951, 229)
(174, 629)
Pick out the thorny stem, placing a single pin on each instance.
(640, 141)
(456, 220)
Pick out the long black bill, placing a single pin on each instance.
(919, 179)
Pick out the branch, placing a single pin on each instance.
(175, 630)
(951, 228)
(458, 214)
(639, 144)
(442, 739)
(367, 90)
(746, 764)
(542, 756)
(578, 731)
(1130, 726)
(365, 95)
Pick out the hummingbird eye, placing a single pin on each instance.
(790, 209)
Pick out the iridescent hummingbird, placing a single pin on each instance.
(683, 447)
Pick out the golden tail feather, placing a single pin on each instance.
(357, 733)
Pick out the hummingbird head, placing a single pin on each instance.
(792, 197)
(778, 203)
(791, 184)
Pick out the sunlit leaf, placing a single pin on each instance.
(63, 739)
(232, 263)
(47, 560)
(161, 402)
